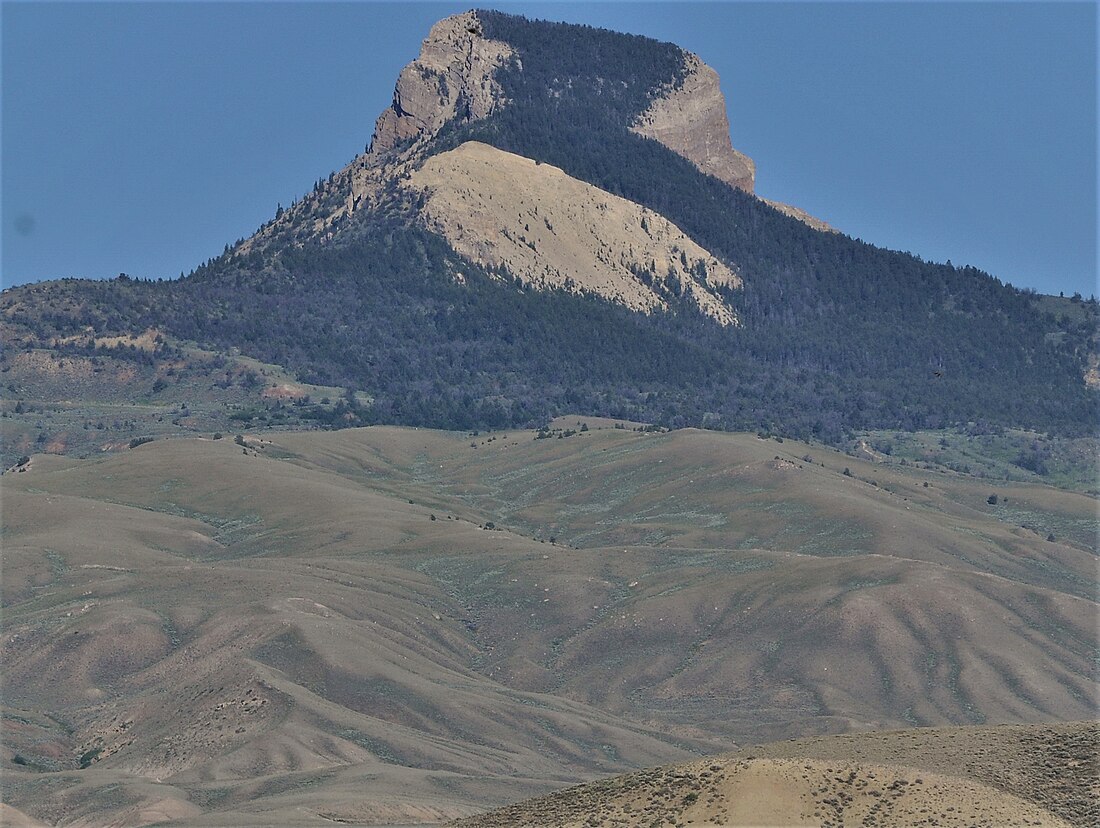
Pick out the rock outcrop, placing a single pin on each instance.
(690, 120)
(451, 79)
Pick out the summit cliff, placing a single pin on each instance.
(453, 82)
(453, 78)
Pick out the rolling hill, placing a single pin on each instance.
(399, 625)
(1008, 775)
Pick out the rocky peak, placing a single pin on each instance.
(452, 78)
(690, 119)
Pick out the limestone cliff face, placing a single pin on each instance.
(691, 121)
(452, 78)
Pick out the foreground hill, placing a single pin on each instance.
(391, 625)
(552, 218)
(1023, 775)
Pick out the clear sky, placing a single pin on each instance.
(142, 137)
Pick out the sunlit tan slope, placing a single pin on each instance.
(951, 777)
(551, 230)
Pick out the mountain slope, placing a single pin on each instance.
(552, 231)
(355, 285)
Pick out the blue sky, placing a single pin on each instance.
(143, 137)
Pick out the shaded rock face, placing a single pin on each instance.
(452, 78)
(691, 121)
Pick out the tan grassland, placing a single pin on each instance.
(553, 231)
(390, 625)
(947, 777)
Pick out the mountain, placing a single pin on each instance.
(548, 218)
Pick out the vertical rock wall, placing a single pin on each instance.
(452, 78)
(691, 121)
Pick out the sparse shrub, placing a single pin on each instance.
(1034, 460)
(992, 500)
(89, 756)
(847, 472)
